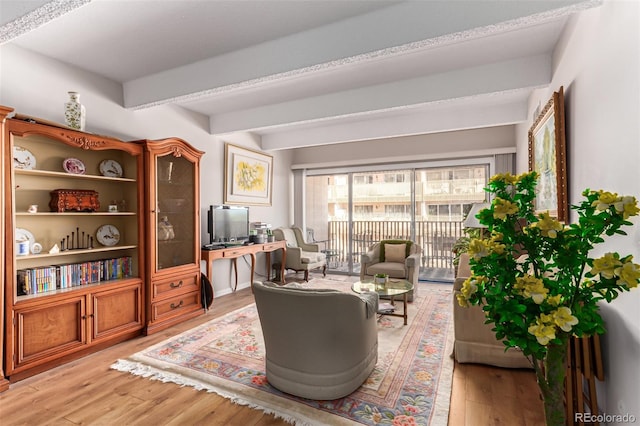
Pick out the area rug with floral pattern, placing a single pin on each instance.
(411, 384)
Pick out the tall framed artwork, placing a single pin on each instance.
(547, 156)
(248, 176)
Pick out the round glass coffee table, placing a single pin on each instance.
(394, 287)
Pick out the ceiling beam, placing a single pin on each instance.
(20, 17)
(460, 83)
(460, 114)
(405, 27)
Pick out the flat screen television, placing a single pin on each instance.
(228, 223)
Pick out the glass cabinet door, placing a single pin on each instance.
(175, 212)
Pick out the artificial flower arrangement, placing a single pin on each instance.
(536, 281)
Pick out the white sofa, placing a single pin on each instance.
(474, 340)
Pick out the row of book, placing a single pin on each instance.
(53, 277)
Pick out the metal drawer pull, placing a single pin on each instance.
(174, 306)
(174, 285)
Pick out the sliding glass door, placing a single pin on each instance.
(347, 212)
(444, 196)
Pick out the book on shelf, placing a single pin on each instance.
(52, 277)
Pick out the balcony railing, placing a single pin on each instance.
(435, 238)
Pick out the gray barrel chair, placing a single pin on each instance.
(320, 344)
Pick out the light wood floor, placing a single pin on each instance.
(87, 392)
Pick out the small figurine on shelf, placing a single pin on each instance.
(165, 229)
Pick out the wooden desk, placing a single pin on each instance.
(233, 253)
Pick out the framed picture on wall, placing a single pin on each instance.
(248, 176)
(547, 156)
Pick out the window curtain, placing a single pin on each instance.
(505, 163)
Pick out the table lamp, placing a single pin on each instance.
(471, 221)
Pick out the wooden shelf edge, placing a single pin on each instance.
(72, 252)
(76, 214)
(102, 285)
(48, 173)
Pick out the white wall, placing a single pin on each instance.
(597, 62)
(35, 85)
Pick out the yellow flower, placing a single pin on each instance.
(544, 333)
(628, 274)
(502, 208)
(498, 248)
(606, 265)
(547, 225)
(554, 300)
(507, 178)
(532, 287)
(546, 318)
(562, 318)
(478, 249)
(495, 243)
(627, 205)
(524, 175)
(462, 301)
(605, 200)
(469, 287)
(496, 236)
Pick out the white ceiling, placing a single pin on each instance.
(302, 73)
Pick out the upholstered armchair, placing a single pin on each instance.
(301, 256)
(474, 340)
(320, 344)
(396, 258)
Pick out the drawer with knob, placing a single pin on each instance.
(169, 287)
(176, 306)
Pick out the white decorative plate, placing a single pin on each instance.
(110, 168)
(23, 158)
(108, 235)
(74, 166)
(23, 234)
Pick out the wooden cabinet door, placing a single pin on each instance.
(47, 330)
(172, 168)
(173, 202)
(116, 311)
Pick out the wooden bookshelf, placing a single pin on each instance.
(75, 315)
